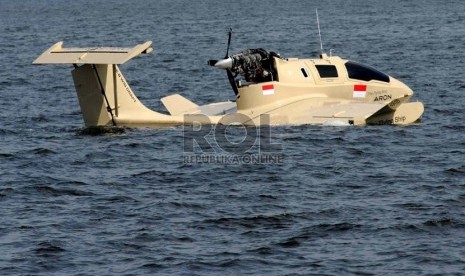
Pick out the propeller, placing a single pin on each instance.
(226, 64)
(213, 62)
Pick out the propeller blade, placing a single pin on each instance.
(232, 81)
(229, 42)
(226, 64)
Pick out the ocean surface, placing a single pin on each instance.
(374, 200)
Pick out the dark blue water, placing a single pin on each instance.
(369, 200)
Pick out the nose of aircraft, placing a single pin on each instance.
(403, 88)
(407, 90)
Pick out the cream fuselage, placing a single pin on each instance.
(301, 88)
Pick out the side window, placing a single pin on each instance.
(327, 71)
(304, 72)
(364, 73)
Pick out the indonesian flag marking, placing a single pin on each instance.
(268, 89)
(360, 91)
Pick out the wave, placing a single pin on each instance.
(55, 192)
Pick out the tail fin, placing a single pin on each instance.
(104, 95)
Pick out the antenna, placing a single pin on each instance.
(319, 31)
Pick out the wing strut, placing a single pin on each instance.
(102, 90)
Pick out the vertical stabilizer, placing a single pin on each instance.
(93, 106)
(105, 96)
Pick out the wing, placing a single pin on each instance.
(350, 113)
(357, 113)
(321, 110)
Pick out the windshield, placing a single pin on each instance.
(365, 73)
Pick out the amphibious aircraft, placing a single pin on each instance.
(327, 90)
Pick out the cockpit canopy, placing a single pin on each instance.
(365, 73)
(355, 71)
(259, 65)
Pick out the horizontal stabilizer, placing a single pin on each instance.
(97, 55)
(177, 104)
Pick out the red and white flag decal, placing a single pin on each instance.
(360, 91)
(268, 89)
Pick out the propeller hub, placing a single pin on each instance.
(224, 63)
